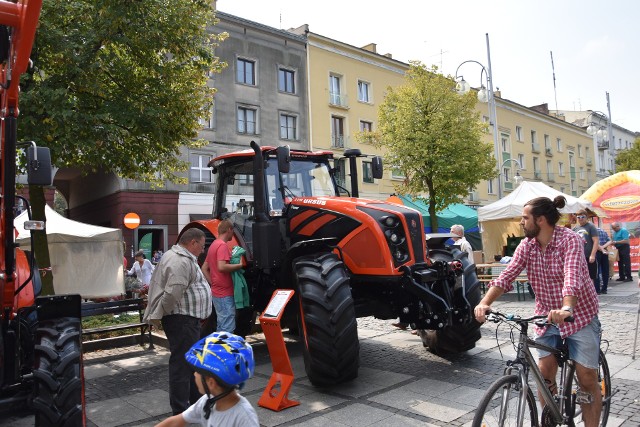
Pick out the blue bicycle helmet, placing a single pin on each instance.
(226, 357)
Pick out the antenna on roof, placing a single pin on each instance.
(555, 93)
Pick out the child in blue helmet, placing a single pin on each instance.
(222, 363)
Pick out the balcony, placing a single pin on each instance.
(548, 152)
(551, 177)
(537, 175)
(337, 99)
(535, 147)
(508, 185)
(474, 196)
(603, 145)
(589, 161)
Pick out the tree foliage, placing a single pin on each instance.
(120, 85)
(433, 137)
(629, 159)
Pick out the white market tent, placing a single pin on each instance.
(85, 259)
(502, 218)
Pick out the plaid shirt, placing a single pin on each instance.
(603, 236)
(561, 270)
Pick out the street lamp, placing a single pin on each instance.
(517, 179)
(485, 95)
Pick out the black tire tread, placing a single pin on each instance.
(331, 350)
(58, 392)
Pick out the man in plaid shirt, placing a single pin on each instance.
(557, 270)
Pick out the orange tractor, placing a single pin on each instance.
(346, 257)
(40, 337)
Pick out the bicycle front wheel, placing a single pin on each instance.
(604, 380)
(499, 405)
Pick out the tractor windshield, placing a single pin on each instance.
(306, 178)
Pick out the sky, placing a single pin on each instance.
(594, 43)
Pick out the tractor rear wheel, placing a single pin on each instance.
(59, 393)
(327, 320)
(460, 337)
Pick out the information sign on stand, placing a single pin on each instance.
(275, 395)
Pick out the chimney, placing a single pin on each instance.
(388, 55)
(371, 47)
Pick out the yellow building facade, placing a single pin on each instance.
(538, 146)
(346, 86)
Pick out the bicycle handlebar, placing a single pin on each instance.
(538, 319)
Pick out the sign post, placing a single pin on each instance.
(132, 220)
(275, 395)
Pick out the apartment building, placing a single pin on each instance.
(261, 95)
(539, 147)
(347, 84)
(604, 144)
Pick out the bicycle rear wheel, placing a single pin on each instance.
(604, 379)
(499, 405)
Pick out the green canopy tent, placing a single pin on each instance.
(452, 214)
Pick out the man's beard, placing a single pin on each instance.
(532, 232)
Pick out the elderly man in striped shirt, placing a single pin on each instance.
(557, 270)
(179, 298)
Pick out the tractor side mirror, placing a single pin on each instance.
(376, 167)
(39, 170)
(283, 154)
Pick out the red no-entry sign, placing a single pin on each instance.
(132, 220)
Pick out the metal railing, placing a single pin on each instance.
(338, 99)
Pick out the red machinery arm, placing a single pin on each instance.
(21, 18)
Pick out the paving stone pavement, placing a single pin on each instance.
(399, 382)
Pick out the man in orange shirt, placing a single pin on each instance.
(217, 270)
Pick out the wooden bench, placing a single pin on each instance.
(117, 307)
(520, 283)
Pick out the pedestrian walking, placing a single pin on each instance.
(589, 234)
(621, 242)
(179, 297)
(459, 240)
(602, 258)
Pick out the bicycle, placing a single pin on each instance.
(510, 401)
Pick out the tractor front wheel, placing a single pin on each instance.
(327, 320)
(58, 394)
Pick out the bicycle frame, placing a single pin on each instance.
(526, 363)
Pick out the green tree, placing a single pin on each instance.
(629, 159)
(433, 137)
(119, 86)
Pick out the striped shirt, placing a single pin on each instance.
(561, 270)
(196, 299)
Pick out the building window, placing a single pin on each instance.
(288, 127)
(199, 171)
(246, 72)
(337, 132)
(561, 168)
(363, 91)
(207, 122)
(550, 170)
(521, 161)
(366, 126)
(335, 92)
(519, 134)
(547, 143)
(246, 180)
(579, 150)
(559, 145)
(581, 172)
(367, 172)
(504, 143)
(490, 187)
(247, 119)
(396, 173)
(536, 168)
(286, 81)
